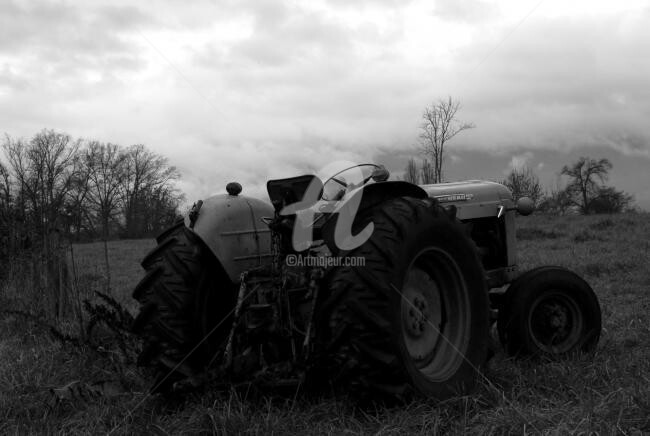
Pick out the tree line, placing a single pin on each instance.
(585, 192)
(83, 189)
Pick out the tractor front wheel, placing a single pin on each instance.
(549, 311)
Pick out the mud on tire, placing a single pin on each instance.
(414, 319)
(184, 295)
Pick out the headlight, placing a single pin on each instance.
(525, 206)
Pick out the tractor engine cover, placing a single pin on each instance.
(472, 198)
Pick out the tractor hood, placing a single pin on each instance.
(472, 198)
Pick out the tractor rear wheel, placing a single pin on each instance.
(186, 299)
(414, 318)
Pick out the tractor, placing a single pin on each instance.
(359, 284)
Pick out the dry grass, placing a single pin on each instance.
(608, 392)
(124, 260)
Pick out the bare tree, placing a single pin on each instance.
(583, 186)
(162, 208)
(427, 172)
(5, 190)
(77, 209)
(105, 166)
(43, 169)
(147, 178)
(523, 182)
(555, 201)
(5, 186)
(439, 127)
(411, 174)
(7, 236)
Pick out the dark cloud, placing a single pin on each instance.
(45, 27)
(284, 37)
(633, 145)
(22, 26)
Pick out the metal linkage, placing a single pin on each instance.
(228, 355)
(315, 276)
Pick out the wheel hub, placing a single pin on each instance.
(555, 322)
(421, 315)
(418, 315)
(558, 318)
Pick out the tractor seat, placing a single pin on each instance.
(284, 192)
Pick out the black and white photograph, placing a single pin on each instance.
(282, 217)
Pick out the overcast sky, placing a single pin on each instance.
(251, 90)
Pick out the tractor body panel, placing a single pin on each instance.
(472, 198)
(232, 228)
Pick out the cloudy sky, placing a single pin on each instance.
(250, 90)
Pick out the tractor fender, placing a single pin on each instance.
(231, 227)
(365, 198)
(376, 193)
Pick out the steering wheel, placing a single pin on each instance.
(366, 171)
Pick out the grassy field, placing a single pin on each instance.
(124, 261)
(604, 393)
